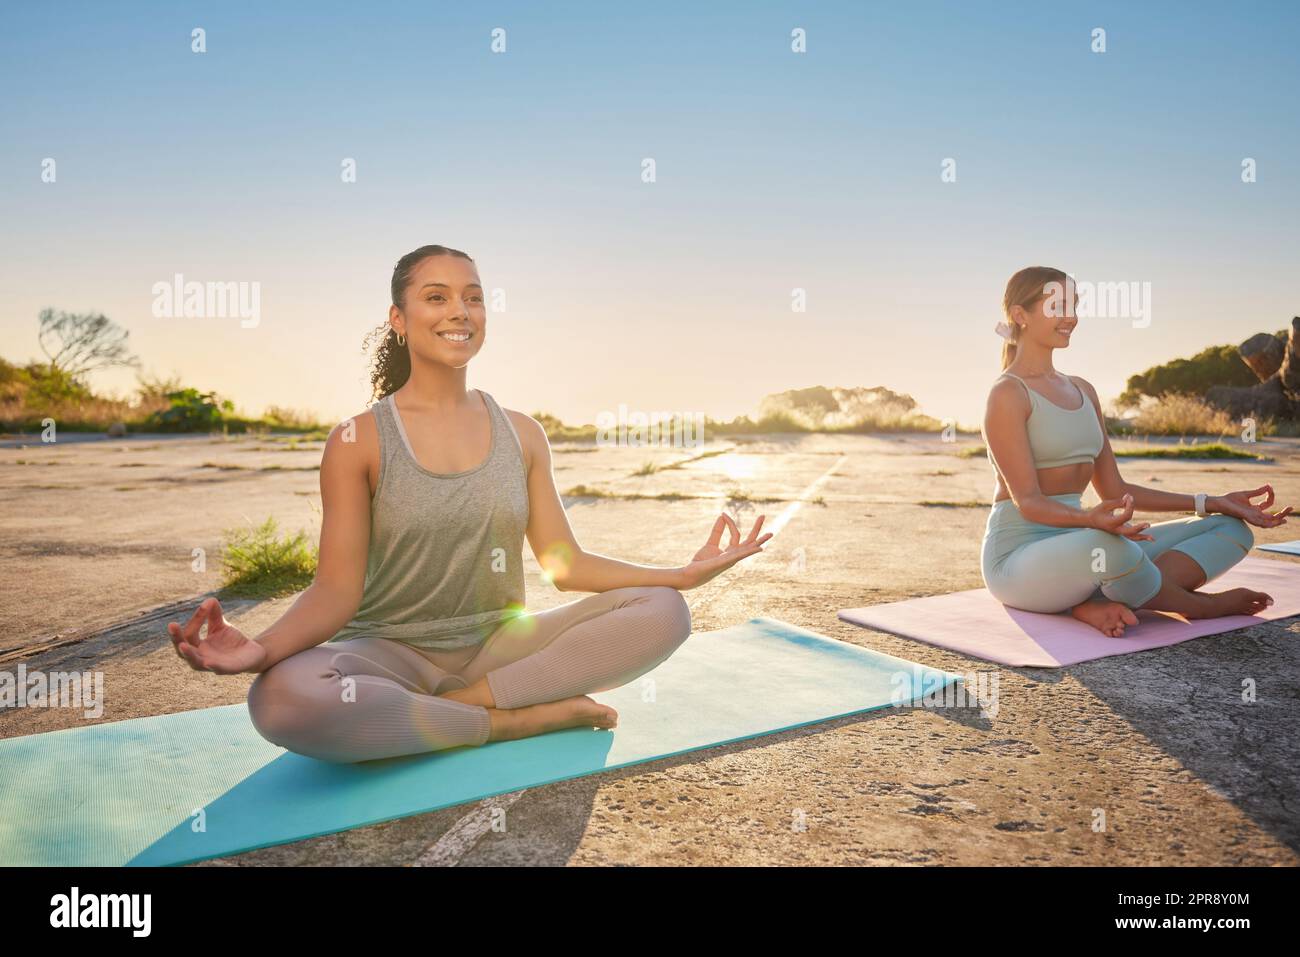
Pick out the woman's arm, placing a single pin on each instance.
(569, 567)
(1154, 500)
(334, 595)
(1110, 484)
(564, 562)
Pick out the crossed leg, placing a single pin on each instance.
(1183, 555)
(592, 644)
(1101, 577)
(359, 700)
(1191, 552)
(373, 698)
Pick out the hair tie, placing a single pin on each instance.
(1005, 330)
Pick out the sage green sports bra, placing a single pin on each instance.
(1060, 436)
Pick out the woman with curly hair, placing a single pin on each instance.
(413, 636)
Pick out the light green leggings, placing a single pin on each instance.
(1048, 568)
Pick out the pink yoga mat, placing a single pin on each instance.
(977, 624)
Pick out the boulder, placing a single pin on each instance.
(1276, 363)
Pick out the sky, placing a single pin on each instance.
(775, 171)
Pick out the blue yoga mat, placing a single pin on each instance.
(1286, 548)
(185, 787)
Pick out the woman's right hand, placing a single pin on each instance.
(226, 650)
(1103, 516)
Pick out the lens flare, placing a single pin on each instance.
(556, 562)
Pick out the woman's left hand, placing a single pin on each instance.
(712, 559)
(1239, 505)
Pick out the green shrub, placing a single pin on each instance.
(259, 563)
(1217, 365)
(190, 411)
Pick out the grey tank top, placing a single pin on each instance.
(445, 566)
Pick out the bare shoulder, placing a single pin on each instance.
(1006, 392)
(354, 441)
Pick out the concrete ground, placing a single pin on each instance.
(97, 553)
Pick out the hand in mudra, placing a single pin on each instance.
(226, 650)
(713, 559)
(1239, 505)
(1113, 514)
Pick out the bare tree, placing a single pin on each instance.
(86, 342)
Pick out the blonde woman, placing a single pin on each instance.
(1046, 437)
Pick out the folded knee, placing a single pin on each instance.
(1112, 554)
(671, 606)
(286, 709)
(266, 706)
(1237, 530)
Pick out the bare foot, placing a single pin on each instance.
(1108, 617)
(576, 712)
(1235, 601)
(478, 693)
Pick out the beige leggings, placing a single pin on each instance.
(373, 698)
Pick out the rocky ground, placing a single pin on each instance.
(97, 552)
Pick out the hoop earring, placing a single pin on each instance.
(401, 339)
